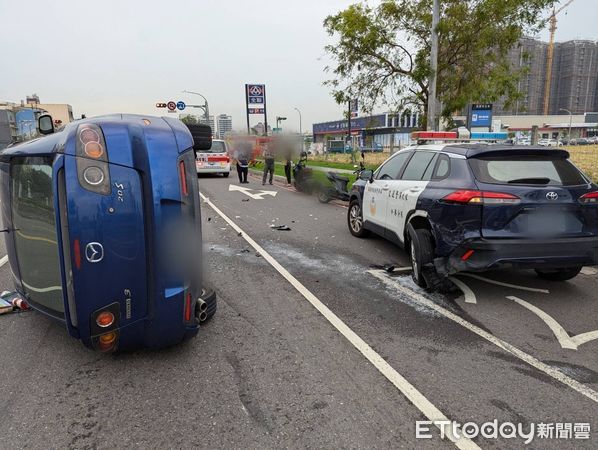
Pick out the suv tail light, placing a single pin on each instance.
(92, 159)
(481, 197)
(591, 197)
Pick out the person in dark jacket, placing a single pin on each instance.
(242, 155)
(268, 165)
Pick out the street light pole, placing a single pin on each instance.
(206, 109)
(570, 121)
(300, 127)
(432, 113)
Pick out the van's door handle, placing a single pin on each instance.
(385, 187)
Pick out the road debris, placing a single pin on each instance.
(245, 200)
(280, 227)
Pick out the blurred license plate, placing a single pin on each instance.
(548, 222)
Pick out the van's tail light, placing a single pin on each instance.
(183, 178)
(591, 197)
(481, 197)
(92, 159)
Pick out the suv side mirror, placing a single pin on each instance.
(367, 175)
(45, 124)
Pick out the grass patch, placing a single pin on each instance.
(586, 158)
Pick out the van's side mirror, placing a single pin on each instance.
(367, 175)
(45, 124)
(202, 136)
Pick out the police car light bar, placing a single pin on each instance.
(421, 136)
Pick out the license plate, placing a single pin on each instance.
(544, 223)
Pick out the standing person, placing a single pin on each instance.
(287, 168)
(242, 157)
(268, 165)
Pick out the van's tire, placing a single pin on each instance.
(355, 219)
(226, 174)
(421, 250)
(559, 274)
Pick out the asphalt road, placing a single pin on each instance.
(313, 346)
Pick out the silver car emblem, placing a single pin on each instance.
(552, 196)
(94, 252)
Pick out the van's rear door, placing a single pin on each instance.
(542, 195)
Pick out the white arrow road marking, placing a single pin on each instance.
(407, 389)
(247, 191)
(589, 271)
(500, 283)
(4, 260)
(467, 292)
(566, 341)
(537, 364)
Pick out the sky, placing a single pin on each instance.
(126, 55)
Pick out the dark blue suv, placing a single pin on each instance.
(478, 206)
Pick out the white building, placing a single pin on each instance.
(225, 125)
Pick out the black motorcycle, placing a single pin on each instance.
(338, 187)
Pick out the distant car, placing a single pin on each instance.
(583, 141)
(215, 160)
(477, 206)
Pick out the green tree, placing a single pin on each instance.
(189, 120)
(381, 53)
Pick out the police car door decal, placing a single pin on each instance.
(374, 201)
(404, 193)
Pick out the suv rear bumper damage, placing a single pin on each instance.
(483, 254)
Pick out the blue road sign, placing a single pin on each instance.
(180, 105)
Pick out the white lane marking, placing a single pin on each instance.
(589, 271)
(467, 292)
(247, 191)
(500, 283)
(551, 371)
(406, 388)
(4, 260)
(566, 341)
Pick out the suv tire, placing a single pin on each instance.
(421, 250)
(559, 274)
(355, 219)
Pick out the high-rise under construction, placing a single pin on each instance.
(573, 80)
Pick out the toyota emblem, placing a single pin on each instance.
(94, 252)
(552, 196)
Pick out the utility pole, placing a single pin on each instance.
(349, 127)
(432, 113)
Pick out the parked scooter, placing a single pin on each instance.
(338, 189)
(303, 175)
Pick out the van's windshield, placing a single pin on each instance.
(34, 222)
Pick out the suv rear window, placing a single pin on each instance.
(526, 170)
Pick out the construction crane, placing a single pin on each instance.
(550, 55)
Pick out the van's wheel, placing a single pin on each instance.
(558, 274)
(226, 174)
(355, 220)
(421, 249)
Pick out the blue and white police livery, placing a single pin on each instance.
(477, 205)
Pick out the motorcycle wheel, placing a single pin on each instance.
(323, 197)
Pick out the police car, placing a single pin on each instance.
(479, 204)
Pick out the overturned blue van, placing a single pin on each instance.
(103, 229)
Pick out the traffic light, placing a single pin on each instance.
(160, 105)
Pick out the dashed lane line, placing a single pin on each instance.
(537, 364)
(407, 389)
(3, 260)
